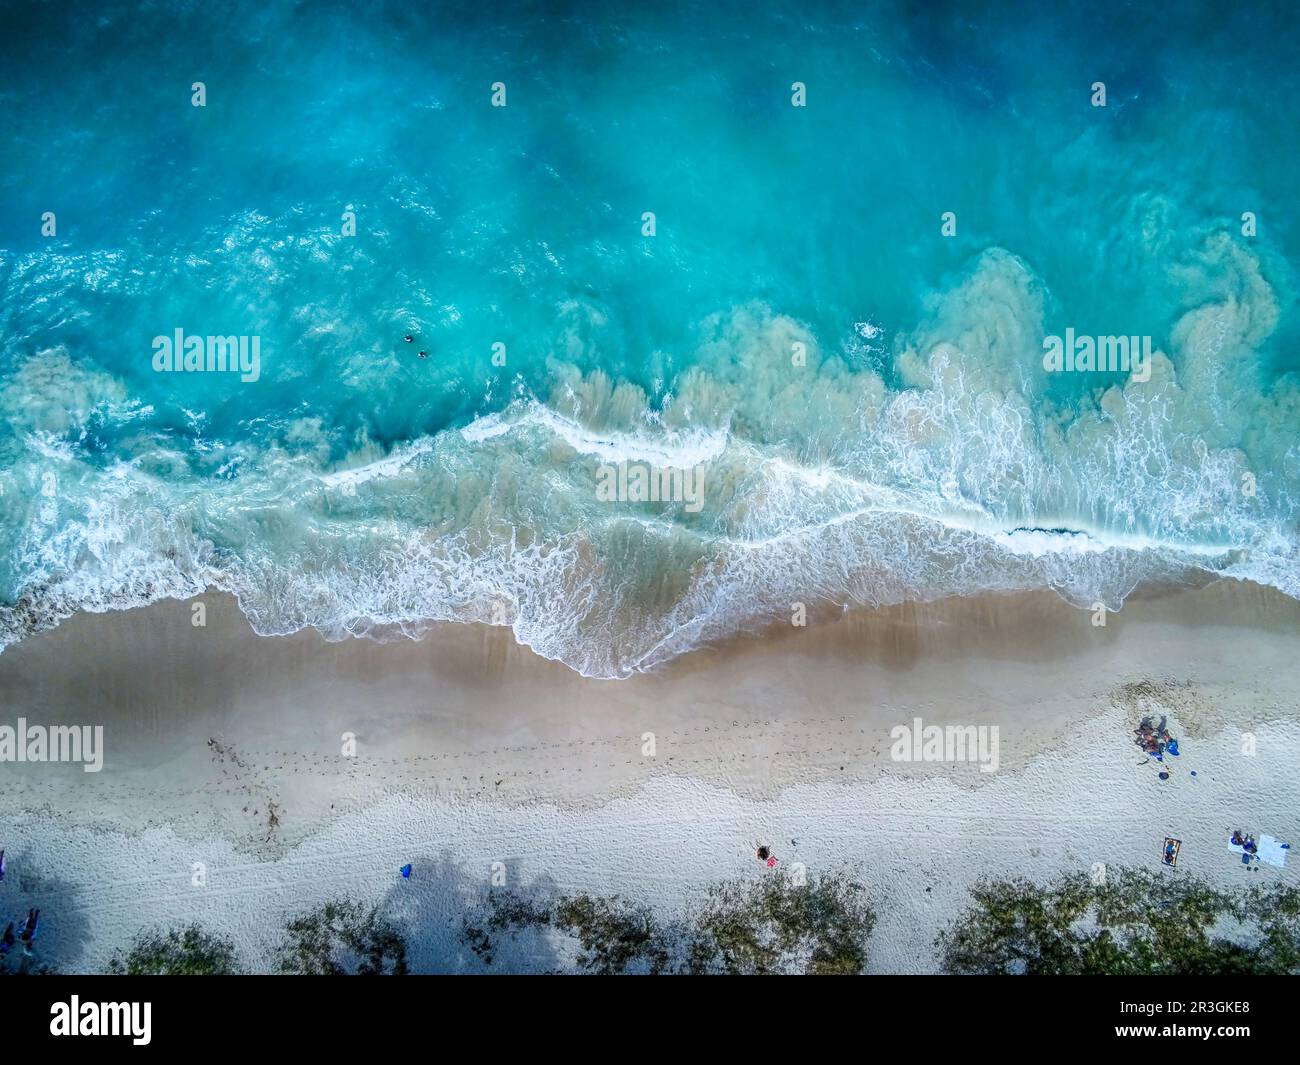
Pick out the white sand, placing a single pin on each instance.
(471, 751)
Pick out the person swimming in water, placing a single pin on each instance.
(7, 942)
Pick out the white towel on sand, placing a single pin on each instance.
(1267, 849)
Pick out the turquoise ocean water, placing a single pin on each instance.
(920, 451)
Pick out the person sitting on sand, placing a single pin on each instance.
(1237, 838)
(30, 929)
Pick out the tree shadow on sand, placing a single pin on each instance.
(441, 900)
(64, 925)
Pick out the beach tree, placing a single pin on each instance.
(612, 934)
(1134, 922)
(186, 951)
(774, 924)
(777, 924)
(343, 938)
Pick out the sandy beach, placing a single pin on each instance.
(292, 769)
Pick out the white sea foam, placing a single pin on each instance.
(388, 466)
(822, 486)
(676, 449)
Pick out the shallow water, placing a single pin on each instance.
(919, 449)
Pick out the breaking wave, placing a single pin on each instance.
(830, 484)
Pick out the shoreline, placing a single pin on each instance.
(474, 754)
(216, 729)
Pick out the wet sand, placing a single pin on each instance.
(214, 730)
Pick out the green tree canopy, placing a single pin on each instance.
(179, 952)
(1134, 922)
(343, 938)
(773, 924)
